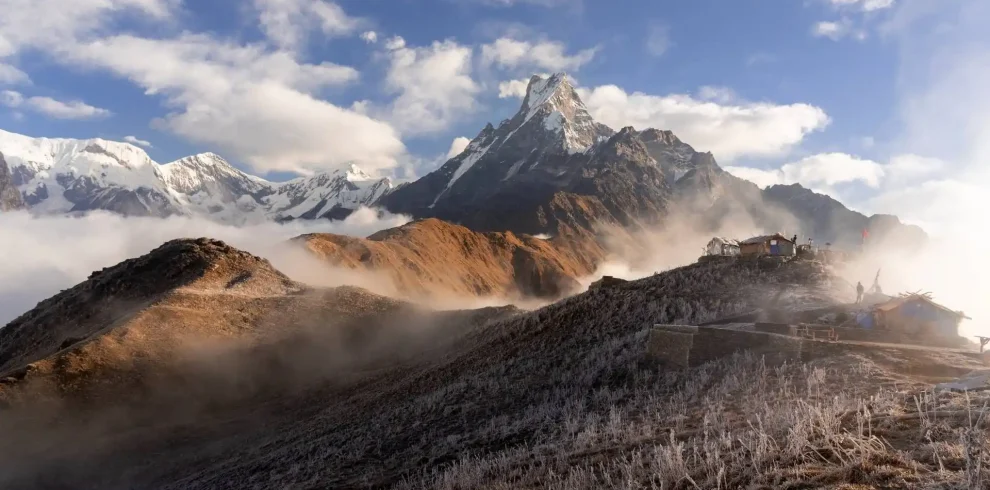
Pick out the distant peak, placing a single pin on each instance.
(542, 89)
(356, 174)
(209, 159)
(664, 136)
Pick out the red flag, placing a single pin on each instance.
(866, 233)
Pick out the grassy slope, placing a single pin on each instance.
(562, 398)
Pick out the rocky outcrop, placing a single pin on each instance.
(10, 197)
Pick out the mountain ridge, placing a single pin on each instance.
(62, 175)
(519, 175)
(548, 169)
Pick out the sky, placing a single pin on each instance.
(879, 103)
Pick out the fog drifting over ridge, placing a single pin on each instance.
(46, 254)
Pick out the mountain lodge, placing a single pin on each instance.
(916, 315)
(719, 246)
(775, 245)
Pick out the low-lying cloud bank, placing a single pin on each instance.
(954, 270)
(43, 255)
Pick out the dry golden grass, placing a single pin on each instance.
(436, 257)
(343, 389)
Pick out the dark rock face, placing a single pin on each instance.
(532, 172)
(10, 197)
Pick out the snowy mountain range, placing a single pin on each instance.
(57, 176)
(552, 169)
(549, 169)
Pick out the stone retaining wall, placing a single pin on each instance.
(685, 346)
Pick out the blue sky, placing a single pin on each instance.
(828, 93)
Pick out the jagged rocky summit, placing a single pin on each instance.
(551, 168)
(10, 197)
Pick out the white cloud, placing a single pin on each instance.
(73, 109)
(761, 177)
(728, 130)
(829, 169)
(48, 106)
(134, 140)
(837, 30)
(722, 95)
(99, 240)
(287, 23)
(510, 89)
(433, 85)
(394, 43)
(49, 24)
(658, 39)
(370, 37)
(823, 170)
(458, 145)
(11, 98)
(11, 75)
(258, 104)
(913, 168)
(864, 5)
(512, 54)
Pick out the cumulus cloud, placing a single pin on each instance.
(512, 54)
(837, 30)
(458, 146)
(721, 95)
(511, 89)
(728, 130)
(287, 23)
(73, 109)
(433, 85)
(258, 105)
(863, 5)
(370, 37)
(825, 170)
(11, 75)
(256, 102)
(50, 24)
(134, 140)
(833, 168)
(43, 268)
(821, 170)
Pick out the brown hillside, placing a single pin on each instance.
(133, 318)
(436, 257)
(564, 397)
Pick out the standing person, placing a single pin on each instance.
(859, 292)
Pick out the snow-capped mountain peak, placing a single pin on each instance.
(69, 175)
(555, 103)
